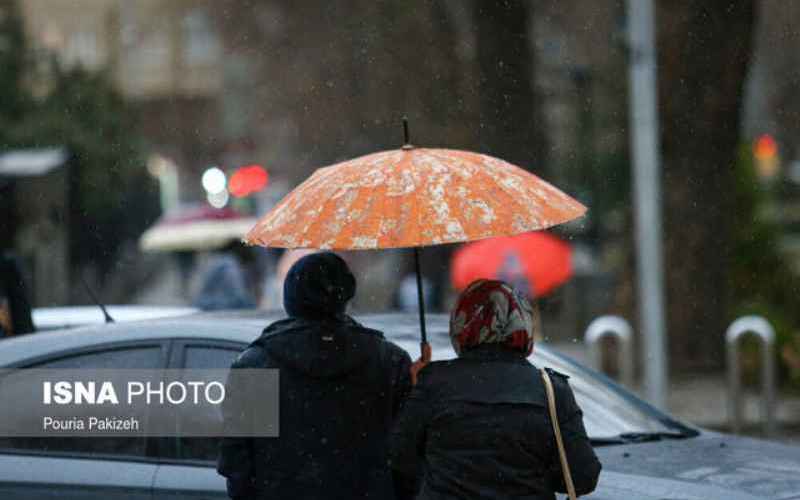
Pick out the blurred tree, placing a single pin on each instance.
(704, 51)
(13, 60)
(12, 105)
(112, 198)
(341, 89)
(760, 278)
(510, 115)
(778, 82)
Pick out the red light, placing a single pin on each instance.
(248, 180)
(765, 147)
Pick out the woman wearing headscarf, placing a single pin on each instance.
(478, 426)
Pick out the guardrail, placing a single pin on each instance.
(761, 328)
(620, 329)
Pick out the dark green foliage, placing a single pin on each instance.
(13, 59)
(761, 281)
(111, 196)
(88, 116)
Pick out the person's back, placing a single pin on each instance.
(489, 434)
(224, 285)
(478, 426)
(340, 384)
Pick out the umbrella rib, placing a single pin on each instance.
(514, 199)
(319, 177)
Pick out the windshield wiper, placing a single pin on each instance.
(606, 441)
(639, 437)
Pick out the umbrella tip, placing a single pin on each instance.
(406, 137)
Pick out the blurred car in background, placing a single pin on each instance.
(646, 454)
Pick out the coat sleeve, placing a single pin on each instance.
(407, 441)
(583, 463)
(401, 381)
(235, 461)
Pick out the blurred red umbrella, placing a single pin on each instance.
(535, 263)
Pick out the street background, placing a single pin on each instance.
(116, 113)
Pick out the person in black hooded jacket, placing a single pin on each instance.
(341, 386)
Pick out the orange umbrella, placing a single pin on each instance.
(412, 197)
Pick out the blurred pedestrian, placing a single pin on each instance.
(479, 426)
(15, 309)
(272, 292)
(341, 386)
(406, 297)
(224, 283)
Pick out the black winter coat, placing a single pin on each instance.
(478, 427)
(341, 386)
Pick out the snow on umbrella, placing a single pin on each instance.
(196, 228)
(535, 263)
(413, 197)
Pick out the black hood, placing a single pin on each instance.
(318, 286)
(326, 348)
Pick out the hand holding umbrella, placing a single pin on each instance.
(421, 362)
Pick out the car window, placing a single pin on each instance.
(139, 357)
(209, 357)
(203, 357)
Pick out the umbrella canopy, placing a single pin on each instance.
(413, 197)
(196, 228)
(535, 263)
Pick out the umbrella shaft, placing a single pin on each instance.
(420, 297)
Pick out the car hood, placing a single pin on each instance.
(709, 467)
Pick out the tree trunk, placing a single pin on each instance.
(509, 112)
(704, 52)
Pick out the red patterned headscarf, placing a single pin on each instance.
(491, 312)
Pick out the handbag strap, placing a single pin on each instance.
(562, 454)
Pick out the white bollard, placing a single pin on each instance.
(620, 329)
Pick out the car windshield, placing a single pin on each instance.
(607, 412)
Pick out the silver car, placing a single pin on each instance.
(645, 453)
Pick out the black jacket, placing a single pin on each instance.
(478, 427)
(341, 385)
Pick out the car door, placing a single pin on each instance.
(83, 468)
(188, 466)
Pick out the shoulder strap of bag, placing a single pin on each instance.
(562, 454)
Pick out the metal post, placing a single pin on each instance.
(645, 149)
(766, 334)
(619, 328)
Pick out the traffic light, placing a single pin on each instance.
(765, 153)
(248, 180)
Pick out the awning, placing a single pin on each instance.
(31, 162)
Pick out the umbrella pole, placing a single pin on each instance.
(420, 297)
